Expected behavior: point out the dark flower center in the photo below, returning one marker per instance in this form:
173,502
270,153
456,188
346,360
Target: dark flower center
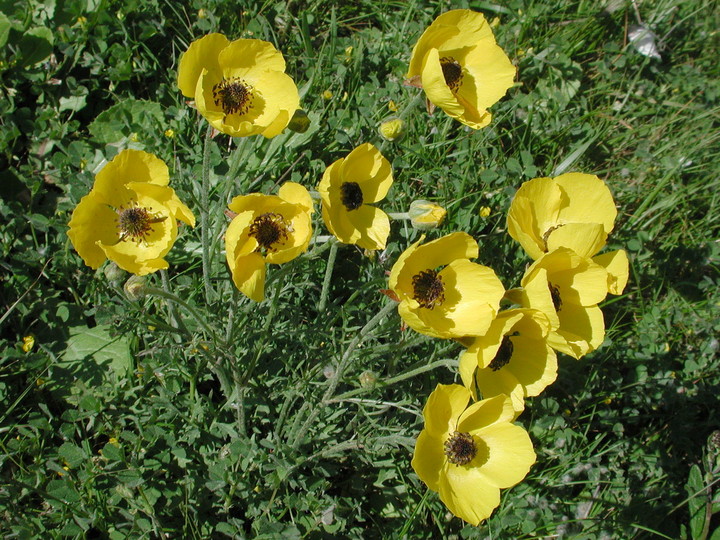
452,71
135,223
351,195
460,448
428,288
502,358
233,95
269,229
555,294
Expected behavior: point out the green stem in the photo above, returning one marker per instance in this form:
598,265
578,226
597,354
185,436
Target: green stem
173,315
448,363
174,298
204,215
342,365
328,276
399,215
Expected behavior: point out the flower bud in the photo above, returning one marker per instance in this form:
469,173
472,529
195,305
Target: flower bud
135,288
113,273
299,122
368,379
28,343
425,215
392,129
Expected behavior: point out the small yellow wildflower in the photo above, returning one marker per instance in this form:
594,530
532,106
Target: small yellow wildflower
485,211
202,14
426,215
169,133
495,22
134,137
28,343
82,21
392,106
327,94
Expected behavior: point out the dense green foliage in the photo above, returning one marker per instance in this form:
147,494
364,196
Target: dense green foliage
115,424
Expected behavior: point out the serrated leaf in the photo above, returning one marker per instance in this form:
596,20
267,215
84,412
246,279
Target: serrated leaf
5,26
35,46
125,118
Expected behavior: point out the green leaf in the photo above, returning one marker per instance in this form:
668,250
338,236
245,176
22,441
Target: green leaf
72,103
72,454
93,356
35,46
4,29
715,535
125,118
696,504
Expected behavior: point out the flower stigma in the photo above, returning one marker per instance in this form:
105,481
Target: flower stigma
452,71
460,448
555,294
428,289
351,195
233,95
136,223
269,229
502,358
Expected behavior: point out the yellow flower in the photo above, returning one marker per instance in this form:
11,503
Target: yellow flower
169,133
441,293
130,215
460,67
327,94
467,454
28,343
485,211
240,87
347,188
567,289
512,358
573,210
270,229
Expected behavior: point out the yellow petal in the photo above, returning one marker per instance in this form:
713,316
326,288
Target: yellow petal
510,454
443,409
487,412
617,266
472,297
533,212
92,222
581,330
467,495
428,459
249,276
588,199
129,166
167,197
202,54
488,75
296,194
533,364
432,255
500,383
366,166
373,226
585,239
435,87
246,54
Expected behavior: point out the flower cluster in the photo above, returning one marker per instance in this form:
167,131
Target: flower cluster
469,448
466,453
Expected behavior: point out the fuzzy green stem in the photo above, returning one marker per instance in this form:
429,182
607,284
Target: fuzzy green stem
174,298
204,215
175,318
342,365
328,276
448,363
399,215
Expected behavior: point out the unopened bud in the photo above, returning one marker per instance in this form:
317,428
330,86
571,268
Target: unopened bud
299,122
392,129
135,288
368,379
425,215
113,273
